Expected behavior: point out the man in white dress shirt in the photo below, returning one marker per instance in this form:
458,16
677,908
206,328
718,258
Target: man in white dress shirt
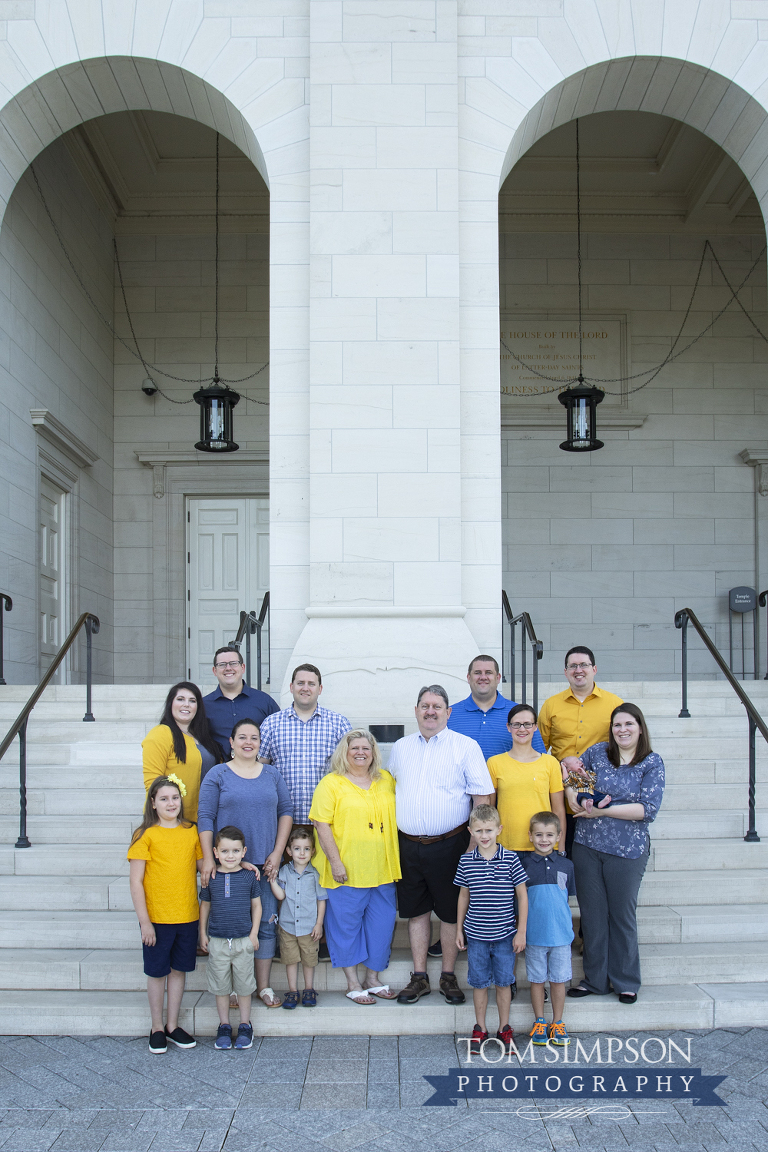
440,776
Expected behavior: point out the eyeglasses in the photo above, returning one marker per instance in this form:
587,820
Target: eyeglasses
229,664
578,668
522,727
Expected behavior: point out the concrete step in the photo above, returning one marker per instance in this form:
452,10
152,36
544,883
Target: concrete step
667,1007
68,777
118,929
66,893
67,829
80,802
670,825
65,859
748,885
123,969
682,855
38,891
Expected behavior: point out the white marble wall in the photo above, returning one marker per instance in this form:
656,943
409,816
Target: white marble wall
56,354
604,548
407,117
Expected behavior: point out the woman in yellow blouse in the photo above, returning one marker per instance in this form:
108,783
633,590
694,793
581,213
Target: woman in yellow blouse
353,810
181,744
526,781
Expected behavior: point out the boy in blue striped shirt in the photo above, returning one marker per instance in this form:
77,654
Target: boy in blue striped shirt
489,878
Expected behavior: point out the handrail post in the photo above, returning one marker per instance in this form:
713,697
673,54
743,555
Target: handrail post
524,661
762,599
512,668
535,652
89,717
752,836
6,604
248,651
681,620
23,840
257,629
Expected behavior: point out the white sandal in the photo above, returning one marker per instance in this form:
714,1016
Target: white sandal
268,994
381,991
358,995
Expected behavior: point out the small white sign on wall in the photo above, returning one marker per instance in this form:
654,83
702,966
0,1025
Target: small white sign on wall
549,345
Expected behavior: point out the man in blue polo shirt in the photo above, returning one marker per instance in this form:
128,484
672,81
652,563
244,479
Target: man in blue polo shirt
233,700
483,715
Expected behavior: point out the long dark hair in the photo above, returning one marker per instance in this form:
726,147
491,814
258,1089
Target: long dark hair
199,728
643,744
150,817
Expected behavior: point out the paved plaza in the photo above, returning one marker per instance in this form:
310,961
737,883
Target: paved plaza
337,1094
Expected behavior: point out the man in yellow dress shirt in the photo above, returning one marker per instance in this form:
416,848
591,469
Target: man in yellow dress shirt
574,720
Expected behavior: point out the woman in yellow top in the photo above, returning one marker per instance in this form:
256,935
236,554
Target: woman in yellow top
182,744
353,810
526,781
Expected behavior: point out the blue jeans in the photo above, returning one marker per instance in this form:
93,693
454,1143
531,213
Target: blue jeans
491,962
268,925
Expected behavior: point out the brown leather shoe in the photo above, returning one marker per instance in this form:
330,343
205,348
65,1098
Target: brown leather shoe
418,986
449,987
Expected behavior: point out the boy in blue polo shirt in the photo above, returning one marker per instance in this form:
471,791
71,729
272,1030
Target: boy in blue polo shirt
490,877
550,926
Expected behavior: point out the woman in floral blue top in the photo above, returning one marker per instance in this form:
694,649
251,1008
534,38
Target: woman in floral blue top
610,852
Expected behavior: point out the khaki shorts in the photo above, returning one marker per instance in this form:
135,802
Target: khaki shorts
297,948
230,966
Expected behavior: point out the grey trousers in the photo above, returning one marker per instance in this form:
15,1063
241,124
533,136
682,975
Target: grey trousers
607,888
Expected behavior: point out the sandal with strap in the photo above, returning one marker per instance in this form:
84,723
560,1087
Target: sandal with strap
268,994
291,1000
308,998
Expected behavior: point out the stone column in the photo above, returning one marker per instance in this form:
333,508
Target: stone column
385,613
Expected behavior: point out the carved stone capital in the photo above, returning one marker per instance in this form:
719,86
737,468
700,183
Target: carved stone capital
757,458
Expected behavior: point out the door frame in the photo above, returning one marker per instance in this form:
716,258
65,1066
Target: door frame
187,519
212,479
52,469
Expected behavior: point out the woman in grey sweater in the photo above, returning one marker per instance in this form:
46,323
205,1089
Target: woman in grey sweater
255,798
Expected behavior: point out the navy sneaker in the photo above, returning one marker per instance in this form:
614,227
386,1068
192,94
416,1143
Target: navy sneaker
224,1037
244,1036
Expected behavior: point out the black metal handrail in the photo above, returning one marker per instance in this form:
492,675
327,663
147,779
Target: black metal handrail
756,722
250,623
537,651
19,726
762,601
6,604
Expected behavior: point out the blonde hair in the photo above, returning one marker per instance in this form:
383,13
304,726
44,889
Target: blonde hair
484,813
339,763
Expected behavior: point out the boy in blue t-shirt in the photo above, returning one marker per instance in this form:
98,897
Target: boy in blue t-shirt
550,926
230,914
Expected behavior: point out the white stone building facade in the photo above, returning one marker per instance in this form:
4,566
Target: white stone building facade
394,189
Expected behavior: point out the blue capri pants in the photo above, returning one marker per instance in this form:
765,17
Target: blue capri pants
359,925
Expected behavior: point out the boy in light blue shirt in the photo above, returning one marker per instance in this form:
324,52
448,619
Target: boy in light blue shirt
550,925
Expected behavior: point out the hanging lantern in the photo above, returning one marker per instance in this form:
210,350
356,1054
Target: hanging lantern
581,404
216,421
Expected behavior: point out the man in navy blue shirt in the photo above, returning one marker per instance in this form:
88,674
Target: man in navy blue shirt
483,714
233,700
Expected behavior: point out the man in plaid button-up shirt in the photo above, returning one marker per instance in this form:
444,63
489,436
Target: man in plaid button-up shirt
300,740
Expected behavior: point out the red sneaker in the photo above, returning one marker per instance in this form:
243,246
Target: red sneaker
478,1039
507,1037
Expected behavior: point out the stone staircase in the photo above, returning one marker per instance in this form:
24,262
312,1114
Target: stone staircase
70,955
